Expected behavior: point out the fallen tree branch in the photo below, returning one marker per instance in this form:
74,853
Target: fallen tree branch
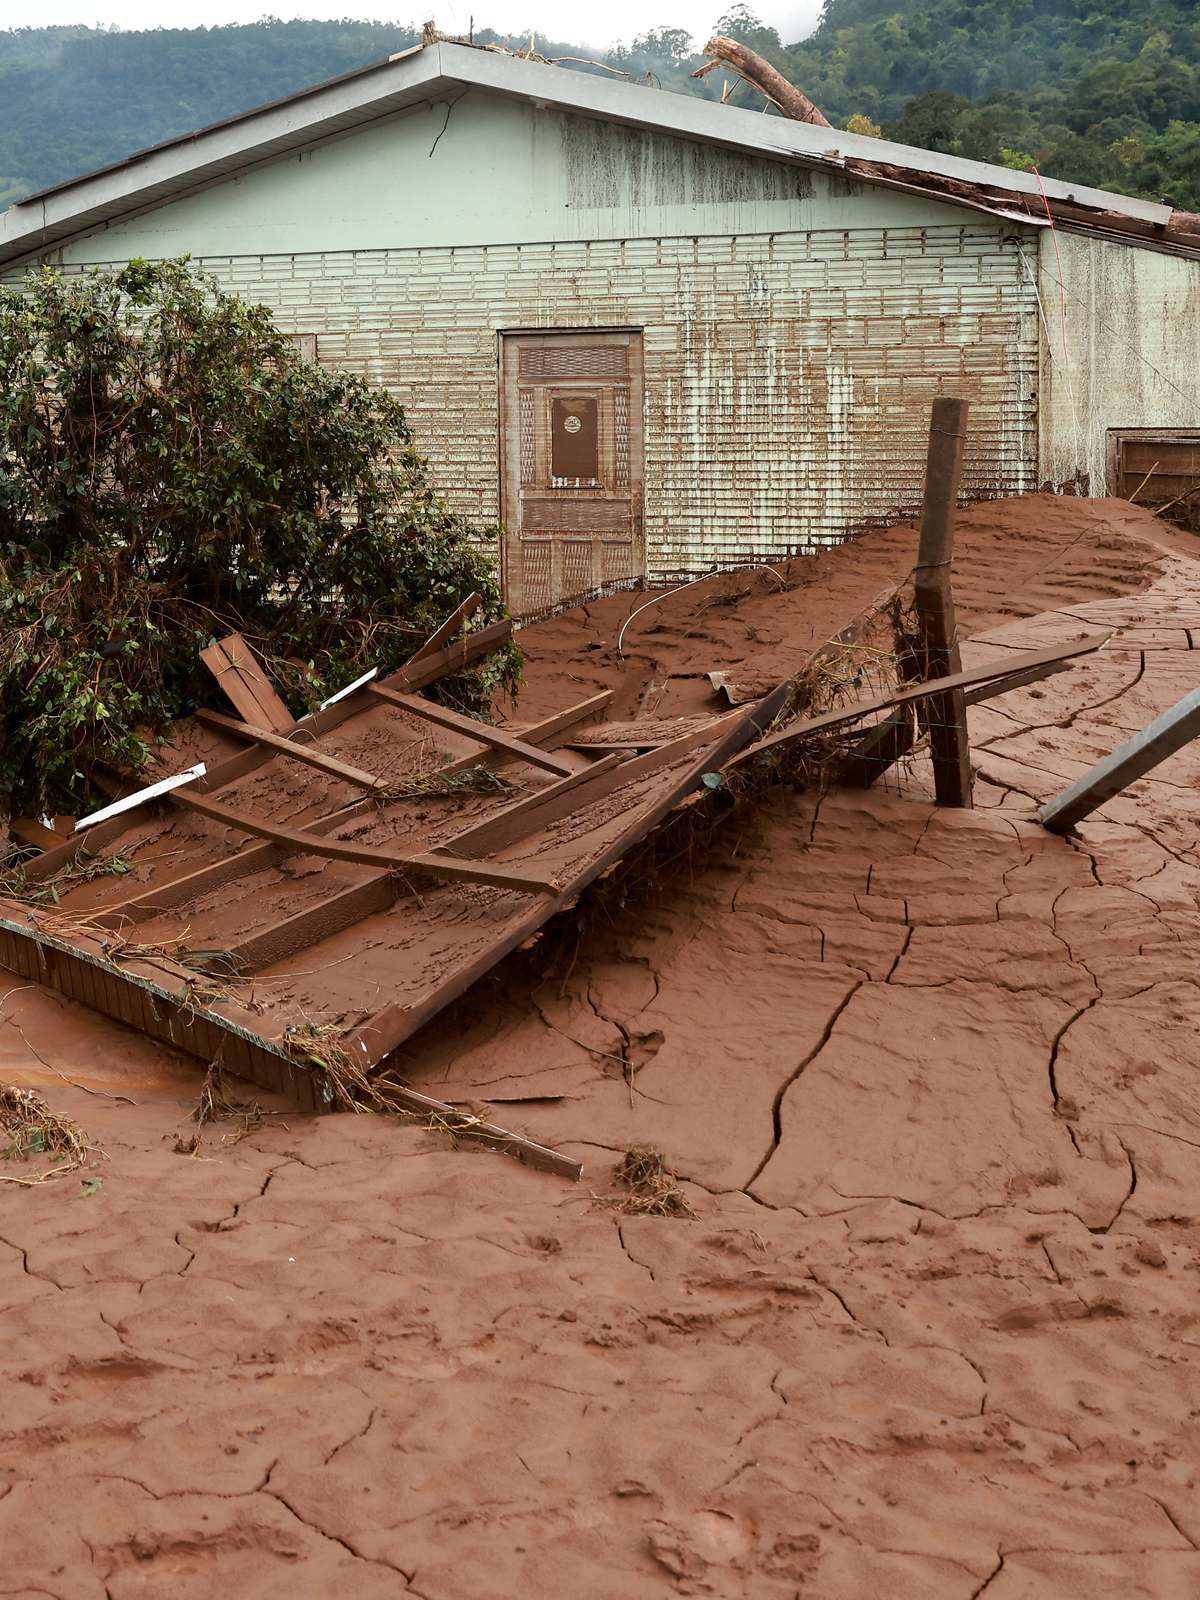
762,76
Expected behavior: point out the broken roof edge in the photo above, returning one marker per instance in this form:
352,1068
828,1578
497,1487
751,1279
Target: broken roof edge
176,167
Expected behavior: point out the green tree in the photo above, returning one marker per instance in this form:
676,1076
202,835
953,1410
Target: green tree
172,469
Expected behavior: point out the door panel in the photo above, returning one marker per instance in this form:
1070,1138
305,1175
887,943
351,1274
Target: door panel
571,459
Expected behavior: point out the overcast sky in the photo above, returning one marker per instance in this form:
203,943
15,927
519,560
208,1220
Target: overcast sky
604,25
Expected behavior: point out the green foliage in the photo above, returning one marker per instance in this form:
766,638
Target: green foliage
171,470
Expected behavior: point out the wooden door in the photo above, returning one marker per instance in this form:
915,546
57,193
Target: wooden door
571,460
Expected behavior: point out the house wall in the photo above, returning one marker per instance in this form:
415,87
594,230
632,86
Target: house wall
796,328
1120,348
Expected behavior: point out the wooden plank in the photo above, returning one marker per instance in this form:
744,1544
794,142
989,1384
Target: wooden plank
943,715
538,811
1130,761
560,721
892,739
526,816
450,658
389,1028
294,750
469,727
845,716
1017,680
313,844
333,914
28,830
488,1134
453,624
236,668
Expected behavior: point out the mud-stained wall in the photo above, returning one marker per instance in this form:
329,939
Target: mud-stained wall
788,378
1120,348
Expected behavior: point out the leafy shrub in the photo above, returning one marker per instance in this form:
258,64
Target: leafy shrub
172,470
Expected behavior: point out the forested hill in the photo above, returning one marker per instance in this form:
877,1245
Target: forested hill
1105,92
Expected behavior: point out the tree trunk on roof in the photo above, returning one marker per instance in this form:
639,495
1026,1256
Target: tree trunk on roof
761,75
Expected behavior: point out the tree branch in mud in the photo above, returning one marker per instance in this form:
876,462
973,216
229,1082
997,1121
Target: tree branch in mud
761,75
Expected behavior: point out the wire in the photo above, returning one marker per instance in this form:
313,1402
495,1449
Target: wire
717,572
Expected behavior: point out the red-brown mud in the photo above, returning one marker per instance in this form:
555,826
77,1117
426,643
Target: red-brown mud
930,1082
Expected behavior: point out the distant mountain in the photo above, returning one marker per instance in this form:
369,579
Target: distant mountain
1106,92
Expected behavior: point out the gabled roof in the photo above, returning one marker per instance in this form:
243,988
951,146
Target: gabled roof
431,72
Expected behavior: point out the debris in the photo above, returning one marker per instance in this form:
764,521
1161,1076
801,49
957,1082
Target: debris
761,75
1132,760
653,1190
33,1129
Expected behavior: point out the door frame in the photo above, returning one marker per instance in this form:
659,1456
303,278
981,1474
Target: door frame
508,490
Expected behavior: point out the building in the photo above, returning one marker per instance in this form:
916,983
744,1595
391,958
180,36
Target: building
652,334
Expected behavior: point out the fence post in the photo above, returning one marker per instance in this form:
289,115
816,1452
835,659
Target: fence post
945,715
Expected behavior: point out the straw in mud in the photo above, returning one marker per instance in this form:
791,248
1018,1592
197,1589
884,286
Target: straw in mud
33,1129
651,1185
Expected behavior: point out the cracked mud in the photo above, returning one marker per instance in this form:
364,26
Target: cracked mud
930,1082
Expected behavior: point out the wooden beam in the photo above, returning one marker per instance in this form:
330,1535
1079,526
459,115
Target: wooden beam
892,739
443,634
538,811
171,892
28,830
528,815
313,844
389,1028
466,1126
470,728
560,721
303,929
243,681
450,658
1130,761
846,716
944,716
309,754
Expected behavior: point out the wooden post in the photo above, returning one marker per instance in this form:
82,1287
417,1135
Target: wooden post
945,714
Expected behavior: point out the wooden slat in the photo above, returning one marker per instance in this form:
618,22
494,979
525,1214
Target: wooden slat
469,727
389,1028
451,658
309,843
301,931
235,667
487,1134
559,721
442,635
28,830
538,811
309,754
172,892
845,716
1130,761
527,815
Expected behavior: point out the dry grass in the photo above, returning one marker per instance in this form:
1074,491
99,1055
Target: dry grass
652,1190
341,1082
471,780
85,868
217,1103
33,1129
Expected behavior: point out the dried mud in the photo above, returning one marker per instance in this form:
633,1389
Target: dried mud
929,1082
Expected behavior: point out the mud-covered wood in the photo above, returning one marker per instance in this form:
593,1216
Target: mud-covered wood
294,749
944,715
236,668
472,728
1129,762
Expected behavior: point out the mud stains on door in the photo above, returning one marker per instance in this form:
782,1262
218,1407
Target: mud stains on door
571,454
